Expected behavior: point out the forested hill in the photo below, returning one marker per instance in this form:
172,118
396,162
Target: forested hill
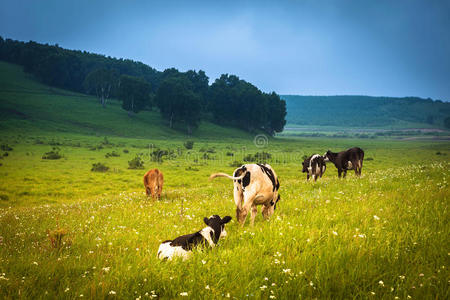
365,111
183,99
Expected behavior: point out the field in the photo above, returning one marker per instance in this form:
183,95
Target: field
384,235
69,232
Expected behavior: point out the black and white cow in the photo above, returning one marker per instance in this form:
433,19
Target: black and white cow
254,184
350,159
182,246
314,166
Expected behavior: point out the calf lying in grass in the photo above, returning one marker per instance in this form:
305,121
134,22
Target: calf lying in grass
182,245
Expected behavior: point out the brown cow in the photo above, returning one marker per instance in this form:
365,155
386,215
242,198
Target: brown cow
153,182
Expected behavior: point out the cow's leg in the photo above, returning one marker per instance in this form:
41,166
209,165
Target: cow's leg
339,173
147,191
238,200
249,197
360,166
345,173
307,176
356,167
253,213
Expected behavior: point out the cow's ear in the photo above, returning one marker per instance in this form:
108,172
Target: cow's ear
226,219
205,219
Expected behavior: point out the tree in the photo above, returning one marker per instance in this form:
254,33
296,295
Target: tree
178,103
277,113
134,93
101,82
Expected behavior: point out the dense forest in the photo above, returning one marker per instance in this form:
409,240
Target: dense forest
365,111
182,98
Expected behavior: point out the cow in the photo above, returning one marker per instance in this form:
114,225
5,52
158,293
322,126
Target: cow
182,246
314,166
153,183
350,159
254,184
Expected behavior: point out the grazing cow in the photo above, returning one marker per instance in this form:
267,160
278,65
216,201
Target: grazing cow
183,245
153,182
314,166
351,159
254,184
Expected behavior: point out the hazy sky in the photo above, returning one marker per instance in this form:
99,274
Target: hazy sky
307,47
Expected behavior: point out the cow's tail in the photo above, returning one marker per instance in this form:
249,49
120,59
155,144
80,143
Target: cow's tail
225,175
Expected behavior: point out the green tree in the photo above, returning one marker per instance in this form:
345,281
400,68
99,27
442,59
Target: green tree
134,93
101,82
178,103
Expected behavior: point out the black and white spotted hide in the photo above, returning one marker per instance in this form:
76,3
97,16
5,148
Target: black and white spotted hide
314,166
182,246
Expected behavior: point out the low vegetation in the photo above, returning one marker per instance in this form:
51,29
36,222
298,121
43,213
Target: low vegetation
384,235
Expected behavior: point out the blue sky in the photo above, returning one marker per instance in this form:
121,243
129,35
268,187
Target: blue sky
306,47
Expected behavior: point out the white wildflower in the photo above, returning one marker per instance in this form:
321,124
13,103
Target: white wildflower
263,287
376,217
381,282
112,292
184,294
335,233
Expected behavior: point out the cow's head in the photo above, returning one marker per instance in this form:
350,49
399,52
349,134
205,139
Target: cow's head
327,155
305,166
218,225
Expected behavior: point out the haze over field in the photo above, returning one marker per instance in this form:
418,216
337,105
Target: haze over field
378,48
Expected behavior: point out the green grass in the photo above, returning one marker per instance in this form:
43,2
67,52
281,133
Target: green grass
27,106
383,235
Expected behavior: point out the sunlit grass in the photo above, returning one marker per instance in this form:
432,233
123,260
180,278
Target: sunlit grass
384,235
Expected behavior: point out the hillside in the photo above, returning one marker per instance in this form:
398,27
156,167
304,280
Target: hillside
365,111
27,105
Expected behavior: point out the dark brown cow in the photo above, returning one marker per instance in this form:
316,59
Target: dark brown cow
153,182
350,159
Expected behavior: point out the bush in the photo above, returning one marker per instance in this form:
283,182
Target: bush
230,154
136,163
158,154
99,167
5,154
235,164
190,168
258,157
189,145
54,154
56,238
112,154
125,151
6,147
369,158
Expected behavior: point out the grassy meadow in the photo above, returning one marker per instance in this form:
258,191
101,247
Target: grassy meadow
69,232
384,235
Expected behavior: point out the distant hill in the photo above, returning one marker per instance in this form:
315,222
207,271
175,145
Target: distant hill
365,111
27,105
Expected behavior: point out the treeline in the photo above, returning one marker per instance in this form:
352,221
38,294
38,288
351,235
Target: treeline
366,111
182,98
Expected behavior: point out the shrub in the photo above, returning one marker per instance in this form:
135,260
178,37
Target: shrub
230,154
262,156
369,158
56,238
112,154
189,145
54,154
158,154
190,168
6,147
136,163
4,197
235,164
99,167
125,151
5,154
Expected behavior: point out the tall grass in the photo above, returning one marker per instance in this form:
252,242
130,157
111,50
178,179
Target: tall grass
384,235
